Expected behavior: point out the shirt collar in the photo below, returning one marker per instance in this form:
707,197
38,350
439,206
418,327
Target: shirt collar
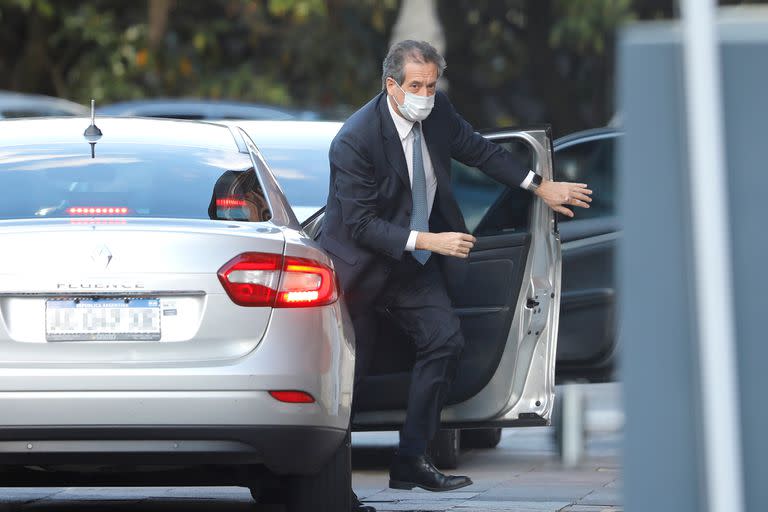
402,125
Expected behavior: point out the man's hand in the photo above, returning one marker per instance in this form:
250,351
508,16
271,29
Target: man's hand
448,244
557,194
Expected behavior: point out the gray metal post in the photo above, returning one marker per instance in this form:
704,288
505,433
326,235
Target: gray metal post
712,259
683,328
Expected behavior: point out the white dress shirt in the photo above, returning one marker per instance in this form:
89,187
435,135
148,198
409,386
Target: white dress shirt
403,127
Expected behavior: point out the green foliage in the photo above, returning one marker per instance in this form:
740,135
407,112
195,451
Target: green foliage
587,25
509,61
289,52
515,62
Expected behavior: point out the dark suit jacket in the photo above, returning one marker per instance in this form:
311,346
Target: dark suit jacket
369,205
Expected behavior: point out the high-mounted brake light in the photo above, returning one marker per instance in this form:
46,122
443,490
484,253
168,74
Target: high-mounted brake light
98,210
230,202
257,279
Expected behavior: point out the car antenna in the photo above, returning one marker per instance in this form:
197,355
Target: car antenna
92,133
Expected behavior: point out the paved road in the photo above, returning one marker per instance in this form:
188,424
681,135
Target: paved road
523,474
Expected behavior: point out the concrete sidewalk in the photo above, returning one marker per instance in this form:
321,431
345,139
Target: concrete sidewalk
522,474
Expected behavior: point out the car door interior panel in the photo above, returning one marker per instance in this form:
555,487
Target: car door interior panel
485,303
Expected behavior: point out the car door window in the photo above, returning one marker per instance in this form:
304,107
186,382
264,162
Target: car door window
488,206
590,162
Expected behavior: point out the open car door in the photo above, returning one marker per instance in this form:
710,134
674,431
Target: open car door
507,299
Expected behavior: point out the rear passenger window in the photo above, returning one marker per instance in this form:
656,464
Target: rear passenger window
590,162
489,207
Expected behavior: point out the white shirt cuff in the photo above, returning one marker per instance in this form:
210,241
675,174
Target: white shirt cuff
410,245
527,181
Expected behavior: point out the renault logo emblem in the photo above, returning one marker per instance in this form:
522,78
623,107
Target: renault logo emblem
101,256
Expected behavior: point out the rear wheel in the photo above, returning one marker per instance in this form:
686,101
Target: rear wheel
482,438
445,448
328,491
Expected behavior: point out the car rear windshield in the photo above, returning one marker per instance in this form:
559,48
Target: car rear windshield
129,181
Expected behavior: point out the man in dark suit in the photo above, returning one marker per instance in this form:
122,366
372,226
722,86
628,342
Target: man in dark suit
391,215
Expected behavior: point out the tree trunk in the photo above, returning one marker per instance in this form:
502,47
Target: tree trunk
559,102
158,21
31,73
418,20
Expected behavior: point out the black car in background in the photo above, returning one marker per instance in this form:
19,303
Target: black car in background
589,333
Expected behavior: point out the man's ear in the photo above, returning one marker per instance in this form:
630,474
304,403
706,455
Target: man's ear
390,84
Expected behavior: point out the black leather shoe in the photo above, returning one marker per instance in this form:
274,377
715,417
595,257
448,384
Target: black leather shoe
409,472
357,506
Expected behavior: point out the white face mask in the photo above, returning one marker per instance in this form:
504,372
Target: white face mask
415,108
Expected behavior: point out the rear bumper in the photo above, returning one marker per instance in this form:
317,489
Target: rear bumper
161,409
279,448
168,428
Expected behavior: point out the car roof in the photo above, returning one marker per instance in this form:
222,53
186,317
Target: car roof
190,108
69,130
15,101
289,134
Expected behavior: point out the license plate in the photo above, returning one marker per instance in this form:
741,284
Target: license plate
102,319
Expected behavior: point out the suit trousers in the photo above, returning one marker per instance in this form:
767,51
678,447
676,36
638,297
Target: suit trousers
415,297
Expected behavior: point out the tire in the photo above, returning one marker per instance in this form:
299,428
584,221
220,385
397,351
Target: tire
328,491
480,438
445,448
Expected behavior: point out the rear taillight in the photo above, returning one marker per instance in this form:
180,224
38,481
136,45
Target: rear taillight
251,279
306,283
257,279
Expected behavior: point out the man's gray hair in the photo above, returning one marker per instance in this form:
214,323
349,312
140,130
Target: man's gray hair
409,51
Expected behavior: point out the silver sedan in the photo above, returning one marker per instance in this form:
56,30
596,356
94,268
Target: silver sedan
160,308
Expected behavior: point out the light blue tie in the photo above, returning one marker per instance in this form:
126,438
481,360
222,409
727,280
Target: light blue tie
420,216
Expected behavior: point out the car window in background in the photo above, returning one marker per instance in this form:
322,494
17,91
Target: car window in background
303,174
15,105
149,181
202,109
28,112
480,197
590,162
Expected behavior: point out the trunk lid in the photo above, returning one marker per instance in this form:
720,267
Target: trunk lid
56,276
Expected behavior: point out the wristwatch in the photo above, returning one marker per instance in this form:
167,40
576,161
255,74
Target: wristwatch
535,182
